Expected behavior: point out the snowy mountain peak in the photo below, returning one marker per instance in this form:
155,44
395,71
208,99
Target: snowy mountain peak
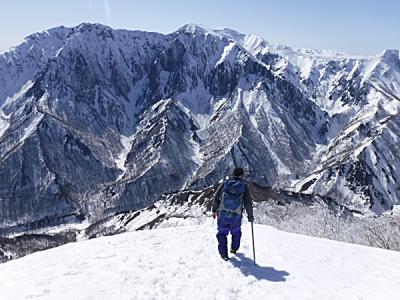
195,29
390,56
88,27
252,43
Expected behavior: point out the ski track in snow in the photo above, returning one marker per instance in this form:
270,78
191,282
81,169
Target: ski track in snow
182,263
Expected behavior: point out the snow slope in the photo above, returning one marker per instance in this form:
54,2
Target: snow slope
182,263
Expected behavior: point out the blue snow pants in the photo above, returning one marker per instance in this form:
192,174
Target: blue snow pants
228,223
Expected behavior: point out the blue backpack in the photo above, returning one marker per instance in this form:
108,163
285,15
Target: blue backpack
232,199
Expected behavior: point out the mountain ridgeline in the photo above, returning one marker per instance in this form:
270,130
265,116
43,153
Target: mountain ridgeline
96,121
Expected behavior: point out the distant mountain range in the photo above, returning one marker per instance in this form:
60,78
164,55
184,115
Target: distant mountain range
96,121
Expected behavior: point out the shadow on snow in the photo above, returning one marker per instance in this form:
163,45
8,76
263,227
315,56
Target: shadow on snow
247,267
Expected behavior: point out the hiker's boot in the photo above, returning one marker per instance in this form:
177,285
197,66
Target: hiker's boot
225,257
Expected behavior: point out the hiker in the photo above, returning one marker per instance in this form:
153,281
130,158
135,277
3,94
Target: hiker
229,199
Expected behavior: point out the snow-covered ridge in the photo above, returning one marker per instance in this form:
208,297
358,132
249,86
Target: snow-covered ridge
182,262
256,44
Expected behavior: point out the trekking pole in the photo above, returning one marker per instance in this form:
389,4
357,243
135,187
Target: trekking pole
252,236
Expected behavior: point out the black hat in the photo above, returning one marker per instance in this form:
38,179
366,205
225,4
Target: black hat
238,171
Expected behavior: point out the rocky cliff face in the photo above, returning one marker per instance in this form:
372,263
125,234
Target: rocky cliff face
94,120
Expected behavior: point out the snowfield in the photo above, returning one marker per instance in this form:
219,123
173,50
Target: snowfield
182,263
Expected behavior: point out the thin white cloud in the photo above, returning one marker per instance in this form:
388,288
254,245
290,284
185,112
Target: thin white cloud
107,10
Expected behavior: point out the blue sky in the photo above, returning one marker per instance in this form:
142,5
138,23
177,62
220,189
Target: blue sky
353,26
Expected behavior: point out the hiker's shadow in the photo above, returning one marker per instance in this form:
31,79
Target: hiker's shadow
247,267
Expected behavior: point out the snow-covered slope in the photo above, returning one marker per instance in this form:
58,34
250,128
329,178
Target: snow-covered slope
182,263
95,121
